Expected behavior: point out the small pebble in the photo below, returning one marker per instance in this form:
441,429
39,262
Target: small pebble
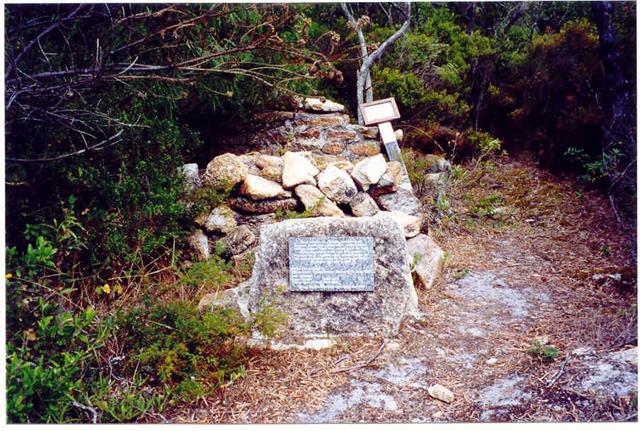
393,346
441,393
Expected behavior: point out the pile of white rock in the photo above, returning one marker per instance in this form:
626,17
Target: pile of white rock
264,184
310,163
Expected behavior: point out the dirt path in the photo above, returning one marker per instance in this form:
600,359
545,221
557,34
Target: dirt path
549,264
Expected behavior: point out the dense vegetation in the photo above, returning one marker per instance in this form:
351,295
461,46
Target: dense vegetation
105,102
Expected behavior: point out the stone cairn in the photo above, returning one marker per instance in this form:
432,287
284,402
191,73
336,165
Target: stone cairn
313,161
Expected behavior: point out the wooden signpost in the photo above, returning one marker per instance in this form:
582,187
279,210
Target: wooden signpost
381,113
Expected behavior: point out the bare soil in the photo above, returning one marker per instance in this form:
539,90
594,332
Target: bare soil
544,260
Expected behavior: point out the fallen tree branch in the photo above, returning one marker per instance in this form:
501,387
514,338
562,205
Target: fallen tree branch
94,413
557,376
99,146
365,363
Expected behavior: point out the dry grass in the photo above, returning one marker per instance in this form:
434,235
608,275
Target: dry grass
552,222
279,384
563,234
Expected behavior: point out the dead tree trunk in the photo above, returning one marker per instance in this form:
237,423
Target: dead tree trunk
364,89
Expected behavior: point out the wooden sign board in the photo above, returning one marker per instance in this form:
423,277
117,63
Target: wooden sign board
379,111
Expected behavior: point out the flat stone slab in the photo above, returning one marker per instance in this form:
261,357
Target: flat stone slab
309,314
402,201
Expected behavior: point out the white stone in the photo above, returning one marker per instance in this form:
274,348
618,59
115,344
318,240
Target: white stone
377,313
314,343
401,200
220,220
541,340
225,171
369,171
191,176
394,170
428,256
399,135
322,105
235,298
249,160
337,185
392,346
297,169
271,167
263,160
345,165
441,393
410,224
257,188
238,241
630,356
363,205
200,243
583,351
432,179
492,361
317,202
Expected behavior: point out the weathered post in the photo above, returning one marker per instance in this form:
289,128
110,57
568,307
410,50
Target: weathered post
381,113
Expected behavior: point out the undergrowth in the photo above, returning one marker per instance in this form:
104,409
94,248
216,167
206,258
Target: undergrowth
119,350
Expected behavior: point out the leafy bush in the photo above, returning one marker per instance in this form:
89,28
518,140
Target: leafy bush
548,95
483,144
486,206
213,272
124,402
269,319
429,69
174,344
55,365
595,170
50,362
546,352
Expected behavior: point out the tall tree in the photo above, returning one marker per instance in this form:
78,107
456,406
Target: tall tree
617,104
364,89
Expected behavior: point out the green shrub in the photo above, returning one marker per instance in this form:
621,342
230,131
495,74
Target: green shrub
595,170
124,401
269,319
483,144
486,205
50,362
173,343
542,350
213,272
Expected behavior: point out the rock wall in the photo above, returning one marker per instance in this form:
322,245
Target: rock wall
307,164
330,134
318,126
314,162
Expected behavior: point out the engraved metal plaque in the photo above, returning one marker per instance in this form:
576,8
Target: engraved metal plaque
331,264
